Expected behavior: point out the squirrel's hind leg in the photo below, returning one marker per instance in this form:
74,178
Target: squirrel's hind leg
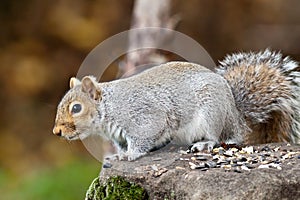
200,146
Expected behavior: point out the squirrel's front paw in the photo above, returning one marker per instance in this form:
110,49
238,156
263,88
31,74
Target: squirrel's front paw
199,146
114,157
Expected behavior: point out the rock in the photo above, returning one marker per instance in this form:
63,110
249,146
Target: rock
172,177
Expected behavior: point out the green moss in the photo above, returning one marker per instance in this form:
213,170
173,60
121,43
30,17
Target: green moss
171,195
115,188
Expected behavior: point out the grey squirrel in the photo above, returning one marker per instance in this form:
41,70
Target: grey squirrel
253,98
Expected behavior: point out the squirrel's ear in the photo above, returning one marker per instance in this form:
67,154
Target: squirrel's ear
73,82
89,85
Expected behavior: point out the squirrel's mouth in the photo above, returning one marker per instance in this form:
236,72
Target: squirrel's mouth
76,136
73,137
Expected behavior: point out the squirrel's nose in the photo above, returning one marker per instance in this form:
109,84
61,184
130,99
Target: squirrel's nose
57,131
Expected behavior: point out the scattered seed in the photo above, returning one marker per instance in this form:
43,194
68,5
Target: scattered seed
204,169
202,154
240,163
160,172
243,167
248,150
211,164
154,167
237,169
255,161
192,165
242,159
201,158
262,158
226,167
277,161
220,162
156,159
183,152
216,157
265,148
263,166
228,153
201,166
276,149
179,168
235,165
186,159
249,166
221,151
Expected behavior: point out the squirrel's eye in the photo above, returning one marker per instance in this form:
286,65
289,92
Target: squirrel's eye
76,108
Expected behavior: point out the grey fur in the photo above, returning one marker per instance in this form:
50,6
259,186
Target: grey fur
246,103
175,101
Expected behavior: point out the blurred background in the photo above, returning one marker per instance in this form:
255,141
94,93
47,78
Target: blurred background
42,44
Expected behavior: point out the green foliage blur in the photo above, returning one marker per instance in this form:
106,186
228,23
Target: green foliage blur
42,44
67,182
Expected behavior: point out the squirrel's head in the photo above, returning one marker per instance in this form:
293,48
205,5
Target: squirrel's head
77,111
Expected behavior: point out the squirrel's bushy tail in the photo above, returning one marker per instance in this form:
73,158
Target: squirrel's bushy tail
266,88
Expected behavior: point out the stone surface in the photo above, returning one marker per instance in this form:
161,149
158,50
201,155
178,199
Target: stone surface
172,173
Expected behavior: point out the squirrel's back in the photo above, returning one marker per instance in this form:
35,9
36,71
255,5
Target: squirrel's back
185,99
266,87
